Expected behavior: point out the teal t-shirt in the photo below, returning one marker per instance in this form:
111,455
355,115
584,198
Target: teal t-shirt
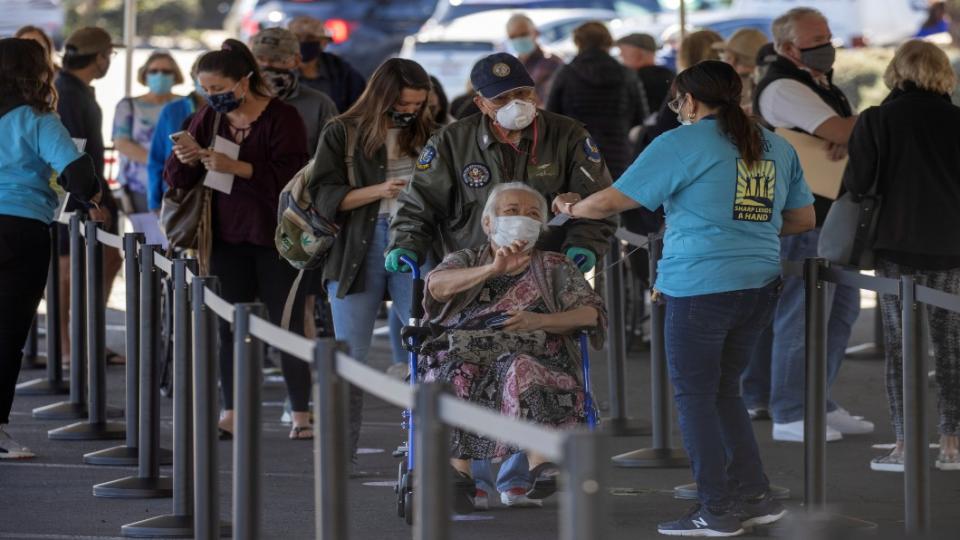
32,147
723,218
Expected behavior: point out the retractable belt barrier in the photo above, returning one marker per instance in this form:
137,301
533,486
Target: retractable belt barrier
582,454
194,485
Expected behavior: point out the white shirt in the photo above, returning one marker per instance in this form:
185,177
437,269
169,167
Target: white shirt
786,103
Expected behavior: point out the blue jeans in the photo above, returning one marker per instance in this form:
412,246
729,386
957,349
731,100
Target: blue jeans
709,341
787,349
355,315
514,473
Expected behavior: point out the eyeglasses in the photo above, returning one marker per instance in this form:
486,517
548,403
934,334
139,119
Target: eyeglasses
676,103
160,71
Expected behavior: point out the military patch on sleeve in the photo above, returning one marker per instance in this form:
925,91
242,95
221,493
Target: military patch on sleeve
592,151
476,175
426,158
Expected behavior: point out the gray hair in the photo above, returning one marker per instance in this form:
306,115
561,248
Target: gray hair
784,28
520,18
490,208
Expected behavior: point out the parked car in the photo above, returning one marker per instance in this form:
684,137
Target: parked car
365,32
45,14
462,31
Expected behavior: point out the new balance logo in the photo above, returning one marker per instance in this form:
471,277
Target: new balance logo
700,522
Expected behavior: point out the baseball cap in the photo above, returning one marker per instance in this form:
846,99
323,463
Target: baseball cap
307,27
745,43
274,43
88,40
499,73
640,41
766,55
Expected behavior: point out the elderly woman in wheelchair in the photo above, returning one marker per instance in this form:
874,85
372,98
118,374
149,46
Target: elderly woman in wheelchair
508,316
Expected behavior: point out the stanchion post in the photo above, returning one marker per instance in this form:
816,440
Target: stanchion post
53,383
96,427
206,461
815,384
432,486
76,406
330,449
178,523
582,504
147,483
248,360
662,454
916,479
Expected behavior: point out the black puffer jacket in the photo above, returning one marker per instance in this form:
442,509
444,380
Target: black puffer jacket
600,92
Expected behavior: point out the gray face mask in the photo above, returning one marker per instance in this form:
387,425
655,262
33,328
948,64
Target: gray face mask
819,58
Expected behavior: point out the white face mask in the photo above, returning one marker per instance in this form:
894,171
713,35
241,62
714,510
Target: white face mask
680,118
509,229
516,115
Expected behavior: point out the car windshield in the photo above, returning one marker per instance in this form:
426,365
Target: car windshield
448,10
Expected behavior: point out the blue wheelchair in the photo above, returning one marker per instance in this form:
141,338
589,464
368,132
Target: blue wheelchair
413,335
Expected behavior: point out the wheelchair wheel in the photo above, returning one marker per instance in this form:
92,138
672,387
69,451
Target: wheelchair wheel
408,507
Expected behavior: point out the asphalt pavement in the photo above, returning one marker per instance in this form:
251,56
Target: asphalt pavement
50,497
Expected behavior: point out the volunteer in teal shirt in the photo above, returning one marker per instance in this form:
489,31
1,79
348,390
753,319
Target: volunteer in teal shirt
729,190
33,146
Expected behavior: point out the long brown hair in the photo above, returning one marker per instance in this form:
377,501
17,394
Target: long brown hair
26,74
369,113
234,61
717,85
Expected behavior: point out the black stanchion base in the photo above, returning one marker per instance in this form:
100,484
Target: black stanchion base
168,526
85,431
123,456
42,387
64,410
688,492
865,351
625,427
34,362
134,487
652,458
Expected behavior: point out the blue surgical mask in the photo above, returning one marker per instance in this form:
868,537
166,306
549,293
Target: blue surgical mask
160,83
523,45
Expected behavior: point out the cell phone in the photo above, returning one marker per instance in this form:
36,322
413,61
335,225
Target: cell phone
497,321
184,138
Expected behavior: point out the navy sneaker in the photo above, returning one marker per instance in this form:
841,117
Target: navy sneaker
700,521
762,511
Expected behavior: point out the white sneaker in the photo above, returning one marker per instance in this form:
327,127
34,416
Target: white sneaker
517,498
793,432
842,421
11,449
481,501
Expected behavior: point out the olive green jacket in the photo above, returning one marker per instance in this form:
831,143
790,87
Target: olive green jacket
441,209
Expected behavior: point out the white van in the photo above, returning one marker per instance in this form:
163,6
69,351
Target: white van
854,22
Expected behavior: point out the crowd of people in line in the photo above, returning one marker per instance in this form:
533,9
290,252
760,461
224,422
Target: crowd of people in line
466,187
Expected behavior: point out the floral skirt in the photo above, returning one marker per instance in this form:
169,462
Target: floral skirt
517,385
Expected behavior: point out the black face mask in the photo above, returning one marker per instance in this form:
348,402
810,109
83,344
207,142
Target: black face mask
819,58
400,119
310,50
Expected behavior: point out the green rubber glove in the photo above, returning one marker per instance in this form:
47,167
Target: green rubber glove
393,264
588,263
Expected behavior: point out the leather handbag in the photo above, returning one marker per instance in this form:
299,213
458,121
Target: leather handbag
850,229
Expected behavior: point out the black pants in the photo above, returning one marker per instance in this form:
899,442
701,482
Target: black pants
249,273
24,262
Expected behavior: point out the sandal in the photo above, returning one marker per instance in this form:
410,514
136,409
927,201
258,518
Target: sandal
297,433
544,478
115,359
224,435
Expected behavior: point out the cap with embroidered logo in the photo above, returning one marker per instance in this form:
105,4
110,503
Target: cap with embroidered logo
498,73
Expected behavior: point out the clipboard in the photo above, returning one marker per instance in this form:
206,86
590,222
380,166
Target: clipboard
825,177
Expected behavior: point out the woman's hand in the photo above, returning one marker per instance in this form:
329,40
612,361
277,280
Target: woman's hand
188,155
218,162
510,259
563,203
101,214
523,321
390,189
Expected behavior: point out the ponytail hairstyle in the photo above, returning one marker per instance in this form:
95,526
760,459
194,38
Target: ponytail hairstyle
234,61
717,85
